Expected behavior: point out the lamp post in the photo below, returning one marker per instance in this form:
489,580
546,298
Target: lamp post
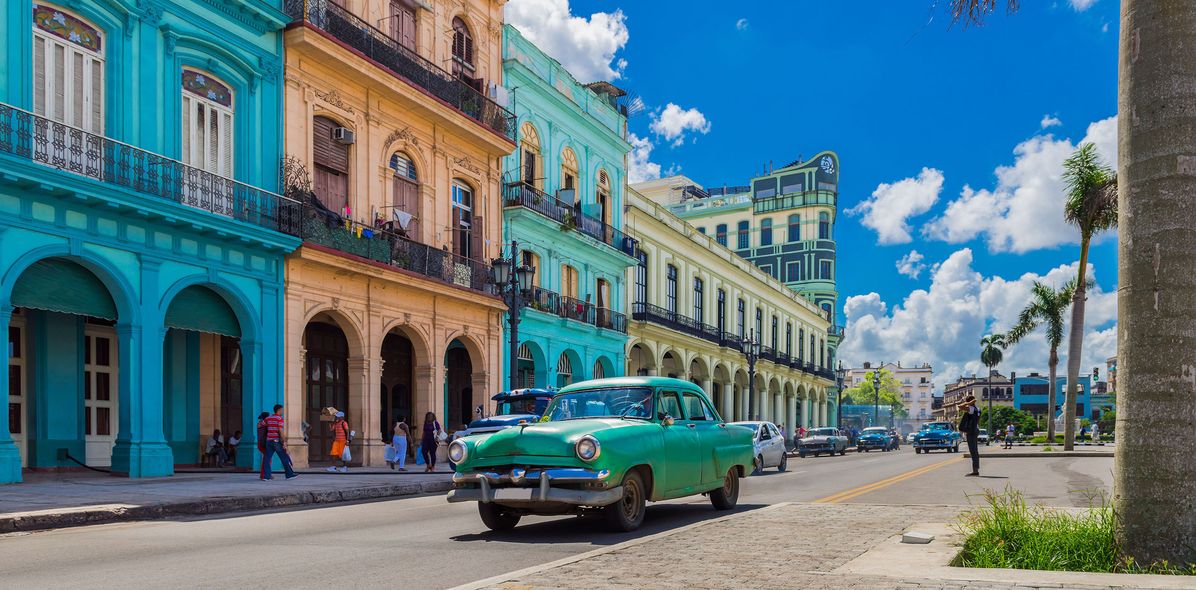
840,374
752,352
876,394
514,282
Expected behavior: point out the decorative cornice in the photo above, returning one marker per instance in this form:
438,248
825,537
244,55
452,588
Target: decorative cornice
467,164
151,12
271,67
403,134
255,19
333,98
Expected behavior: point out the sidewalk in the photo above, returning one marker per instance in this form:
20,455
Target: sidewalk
46,501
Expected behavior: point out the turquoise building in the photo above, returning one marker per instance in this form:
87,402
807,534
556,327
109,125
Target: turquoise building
141,235
563,204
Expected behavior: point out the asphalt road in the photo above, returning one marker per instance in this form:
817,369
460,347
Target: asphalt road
426,543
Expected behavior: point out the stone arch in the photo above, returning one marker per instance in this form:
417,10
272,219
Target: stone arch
641,358
354,332
247,319
672,364
124,295
605,365
421,343
698,369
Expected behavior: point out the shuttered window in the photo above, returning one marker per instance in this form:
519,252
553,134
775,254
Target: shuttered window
406,193
331,167
68,70
462,44
207,124
465,235
402,24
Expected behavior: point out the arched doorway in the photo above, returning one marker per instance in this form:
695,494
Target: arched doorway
670,366
458,386
327,381
532,372
398,382
640,361
565,369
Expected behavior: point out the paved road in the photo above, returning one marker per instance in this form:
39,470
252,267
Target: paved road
424,542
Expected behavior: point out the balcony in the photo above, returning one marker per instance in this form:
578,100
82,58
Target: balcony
835,331
794,200
31,137
518,194
575,309
658,315
358,34
322,227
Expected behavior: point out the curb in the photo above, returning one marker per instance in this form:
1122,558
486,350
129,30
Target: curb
210,505
535,569
1042,454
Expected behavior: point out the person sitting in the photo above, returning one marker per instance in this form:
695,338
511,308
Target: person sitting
214,448
230,447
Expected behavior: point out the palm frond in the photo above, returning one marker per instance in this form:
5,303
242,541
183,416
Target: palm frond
1091,191
973,12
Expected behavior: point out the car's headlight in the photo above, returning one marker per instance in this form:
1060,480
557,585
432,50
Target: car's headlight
457,451
588,448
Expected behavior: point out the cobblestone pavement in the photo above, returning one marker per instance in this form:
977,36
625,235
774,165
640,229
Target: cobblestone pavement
791,547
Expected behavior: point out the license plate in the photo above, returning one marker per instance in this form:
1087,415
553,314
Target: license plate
513,494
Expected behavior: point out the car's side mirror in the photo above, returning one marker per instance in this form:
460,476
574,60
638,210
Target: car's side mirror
668,420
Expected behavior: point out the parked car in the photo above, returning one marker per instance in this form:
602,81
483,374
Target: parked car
937,435
820,441
983,437
607,446
909,438
769,445
874,438
513,407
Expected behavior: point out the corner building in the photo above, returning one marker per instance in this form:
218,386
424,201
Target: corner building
694,306
563,199
142,239
394,142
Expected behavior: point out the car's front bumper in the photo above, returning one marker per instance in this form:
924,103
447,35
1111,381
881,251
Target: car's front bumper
818,448
934,444
533,486
871,444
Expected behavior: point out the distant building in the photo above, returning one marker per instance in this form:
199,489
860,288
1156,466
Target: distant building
998,387
917,383
1111,373
1030,395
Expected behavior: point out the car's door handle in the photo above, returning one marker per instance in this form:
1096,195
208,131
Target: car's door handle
691,425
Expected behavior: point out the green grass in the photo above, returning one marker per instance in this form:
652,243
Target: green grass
1005,532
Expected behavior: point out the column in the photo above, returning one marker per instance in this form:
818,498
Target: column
10,457
791,414
805,412
253,397
359,383
707,385
141,449
728,409
296,401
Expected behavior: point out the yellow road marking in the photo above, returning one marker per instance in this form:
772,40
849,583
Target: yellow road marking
864,489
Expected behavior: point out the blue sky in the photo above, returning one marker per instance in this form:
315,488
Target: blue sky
917,111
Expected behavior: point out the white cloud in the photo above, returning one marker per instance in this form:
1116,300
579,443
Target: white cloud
1024,211
639,164
911,264
1081,5
586,47
943,324
891,205
674,122
741,24
1104,28
1049,121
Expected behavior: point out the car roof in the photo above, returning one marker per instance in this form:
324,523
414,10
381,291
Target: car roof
527,392
663,382
755,423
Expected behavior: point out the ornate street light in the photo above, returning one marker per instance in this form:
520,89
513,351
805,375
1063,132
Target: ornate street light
515,288
841,374
752,352
876,395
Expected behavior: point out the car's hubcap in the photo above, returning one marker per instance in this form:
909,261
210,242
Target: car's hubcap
729,484
631,500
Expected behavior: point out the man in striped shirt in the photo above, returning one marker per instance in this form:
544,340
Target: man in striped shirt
275,427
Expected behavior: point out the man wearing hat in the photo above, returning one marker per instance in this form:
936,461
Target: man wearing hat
340,438
969,425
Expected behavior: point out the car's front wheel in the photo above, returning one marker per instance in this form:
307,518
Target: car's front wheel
497,518
726,497
784,462
627,514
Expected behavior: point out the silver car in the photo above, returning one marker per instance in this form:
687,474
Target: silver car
770,445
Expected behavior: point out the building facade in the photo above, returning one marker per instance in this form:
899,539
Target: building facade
694,306
563,198
395,142
1030,394
997,388
142,239
917,386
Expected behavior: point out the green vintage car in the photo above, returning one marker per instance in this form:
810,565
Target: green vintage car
607,446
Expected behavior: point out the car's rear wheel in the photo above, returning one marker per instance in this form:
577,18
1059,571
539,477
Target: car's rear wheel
801,454
628,513
843,452
726,497
917,451
859,450
784,462
497,518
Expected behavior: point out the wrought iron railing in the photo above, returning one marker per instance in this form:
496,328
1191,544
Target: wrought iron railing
575,309
835,330
35,138
352,30
673,320
320,226
519,194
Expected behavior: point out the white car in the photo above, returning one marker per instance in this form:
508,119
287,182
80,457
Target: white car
770,445
909,438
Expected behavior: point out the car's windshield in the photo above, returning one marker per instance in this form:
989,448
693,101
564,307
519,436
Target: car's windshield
614,402
527,405
874,431
937,426
822,432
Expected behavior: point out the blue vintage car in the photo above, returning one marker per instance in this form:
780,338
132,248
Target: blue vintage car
937,435
876,437
519,405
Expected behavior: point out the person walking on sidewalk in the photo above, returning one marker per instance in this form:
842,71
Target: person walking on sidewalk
969,425
399,444
1009,430
275,426
261,442
340,440
430,440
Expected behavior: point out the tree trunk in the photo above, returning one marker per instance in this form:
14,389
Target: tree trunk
1154,485
1075,346
1053,365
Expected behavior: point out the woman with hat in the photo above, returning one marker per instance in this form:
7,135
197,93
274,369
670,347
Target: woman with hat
969,425
340,438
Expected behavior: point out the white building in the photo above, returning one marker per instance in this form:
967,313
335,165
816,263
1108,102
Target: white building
917,383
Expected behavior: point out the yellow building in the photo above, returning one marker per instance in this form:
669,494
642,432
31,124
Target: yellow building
695,306
394,135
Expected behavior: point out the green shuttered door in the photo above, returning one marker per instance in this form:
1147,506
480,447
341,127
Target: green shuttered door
202,310
57,284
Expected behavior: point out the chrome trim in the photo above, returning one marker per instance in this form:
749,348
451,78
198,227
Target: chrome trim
597,448
547,494
521,476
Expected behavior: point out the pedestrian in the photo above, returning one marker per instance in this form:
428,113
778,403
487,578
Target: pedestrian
430,440
969,425
231,446
1009,430
340,443
214,448
1083,433
276,445
399,445
261,442
1095,432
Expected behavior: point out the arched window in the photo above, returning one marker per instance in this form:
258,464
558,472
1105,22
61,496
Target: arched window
467,232
405,194
462,49
602,197
207,123
529,143
568,169
824,226
766,232
599,371
68,70
564,370
794,228
331,166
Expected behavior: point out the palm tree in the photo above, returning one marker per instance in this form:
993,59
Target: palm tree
1046,309
991,354
1091,206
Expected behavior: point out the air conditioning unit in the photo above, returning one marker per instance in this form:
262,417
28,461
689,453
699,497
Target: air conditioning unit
343,136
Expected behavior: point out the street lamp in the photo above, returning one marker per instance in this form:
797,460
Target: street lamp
752,352
840,374
876,395
514,282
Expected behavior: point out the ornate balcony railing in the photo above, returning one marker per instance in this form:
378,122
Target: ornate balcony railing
673,320
835,330
575,309
519,194
35,138
352,30
325,228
